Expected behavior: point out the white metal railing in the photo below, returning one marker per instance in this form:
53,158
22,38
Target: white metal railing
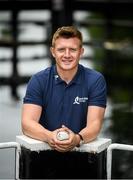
15,145
111,147
109,155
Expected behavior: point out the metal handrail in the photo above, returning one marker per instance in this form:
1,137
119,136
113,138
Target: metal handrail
17,154
109,155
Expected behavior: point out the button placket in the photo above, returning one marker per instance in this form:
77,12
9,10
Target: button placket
64,105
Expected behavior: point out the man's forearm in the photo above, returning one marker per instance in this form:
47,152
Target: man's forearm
35,130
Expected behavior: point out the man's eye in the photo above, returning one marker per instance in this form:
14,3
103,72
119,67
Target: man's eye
73,49
70,50
61,49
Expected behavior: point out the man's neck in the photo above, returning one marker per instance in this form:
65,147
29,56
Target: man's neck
65,75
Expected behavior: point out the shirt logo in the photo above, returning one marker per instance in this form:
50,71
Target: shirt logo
79,100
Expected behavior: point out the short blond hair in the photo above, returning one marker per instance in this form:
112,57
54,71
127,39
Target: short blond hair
67,32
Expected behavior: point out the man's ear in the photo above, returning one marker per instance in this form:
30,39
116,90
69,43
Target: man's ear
82,51
52,51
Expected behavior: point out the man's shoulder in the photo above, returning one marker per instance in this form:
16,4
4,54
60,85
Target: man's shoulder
41,77
44,72
90,73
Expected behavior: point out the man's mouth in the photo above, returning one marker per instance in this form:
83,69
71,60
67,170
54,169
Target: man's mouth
67,61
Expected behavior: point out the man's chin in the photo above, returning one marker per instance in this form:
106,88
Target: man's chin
67,68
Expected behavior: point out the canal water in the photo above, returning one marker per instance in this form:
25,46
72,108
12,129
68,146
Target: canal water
10,126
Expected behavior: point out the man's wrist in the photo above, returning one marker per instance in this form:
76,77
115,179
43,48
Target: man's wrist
81,140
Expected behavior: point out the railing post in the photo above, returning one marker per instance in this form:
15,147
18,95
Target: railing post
109,162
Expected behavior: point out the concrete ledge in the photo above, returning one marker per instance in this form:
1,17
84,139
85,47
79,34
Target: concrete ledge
96,146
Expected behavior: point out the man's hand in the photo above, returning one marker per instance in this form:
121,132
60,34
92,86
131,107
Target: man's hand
63,145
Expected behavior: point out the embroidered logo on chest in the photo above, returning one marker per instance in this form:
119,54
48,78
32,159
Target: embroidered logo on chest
79,100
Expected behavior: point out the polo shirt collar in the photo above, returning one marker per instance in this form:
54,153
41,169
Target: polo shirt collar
77,78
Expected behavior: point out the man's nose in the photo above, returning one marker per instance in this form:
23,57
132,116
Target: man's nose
67,53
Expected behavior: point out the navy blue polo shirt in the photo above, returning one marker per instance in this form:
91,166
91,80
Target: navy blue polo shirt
66,104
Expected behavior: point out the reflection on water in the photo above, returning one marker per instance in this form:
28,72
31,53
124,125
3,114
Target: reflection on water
120,90
114,58
120,81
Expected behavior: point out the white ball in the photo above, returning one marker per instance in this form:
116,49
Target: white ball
62,135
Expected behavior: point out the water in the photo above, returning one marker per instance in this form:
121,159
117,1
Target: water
10,126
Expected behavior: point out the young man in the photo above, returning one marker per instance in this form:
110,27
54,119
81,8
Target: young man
65,97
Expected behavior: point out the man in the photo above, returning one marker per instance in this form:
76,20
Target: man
65,97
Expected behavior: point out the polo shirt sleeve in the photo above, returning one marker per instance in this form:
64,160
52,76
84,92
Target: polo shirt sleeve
98,93
33,92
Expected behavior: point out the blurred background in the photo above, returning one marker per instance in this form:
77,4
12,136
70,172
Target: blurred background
26,28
